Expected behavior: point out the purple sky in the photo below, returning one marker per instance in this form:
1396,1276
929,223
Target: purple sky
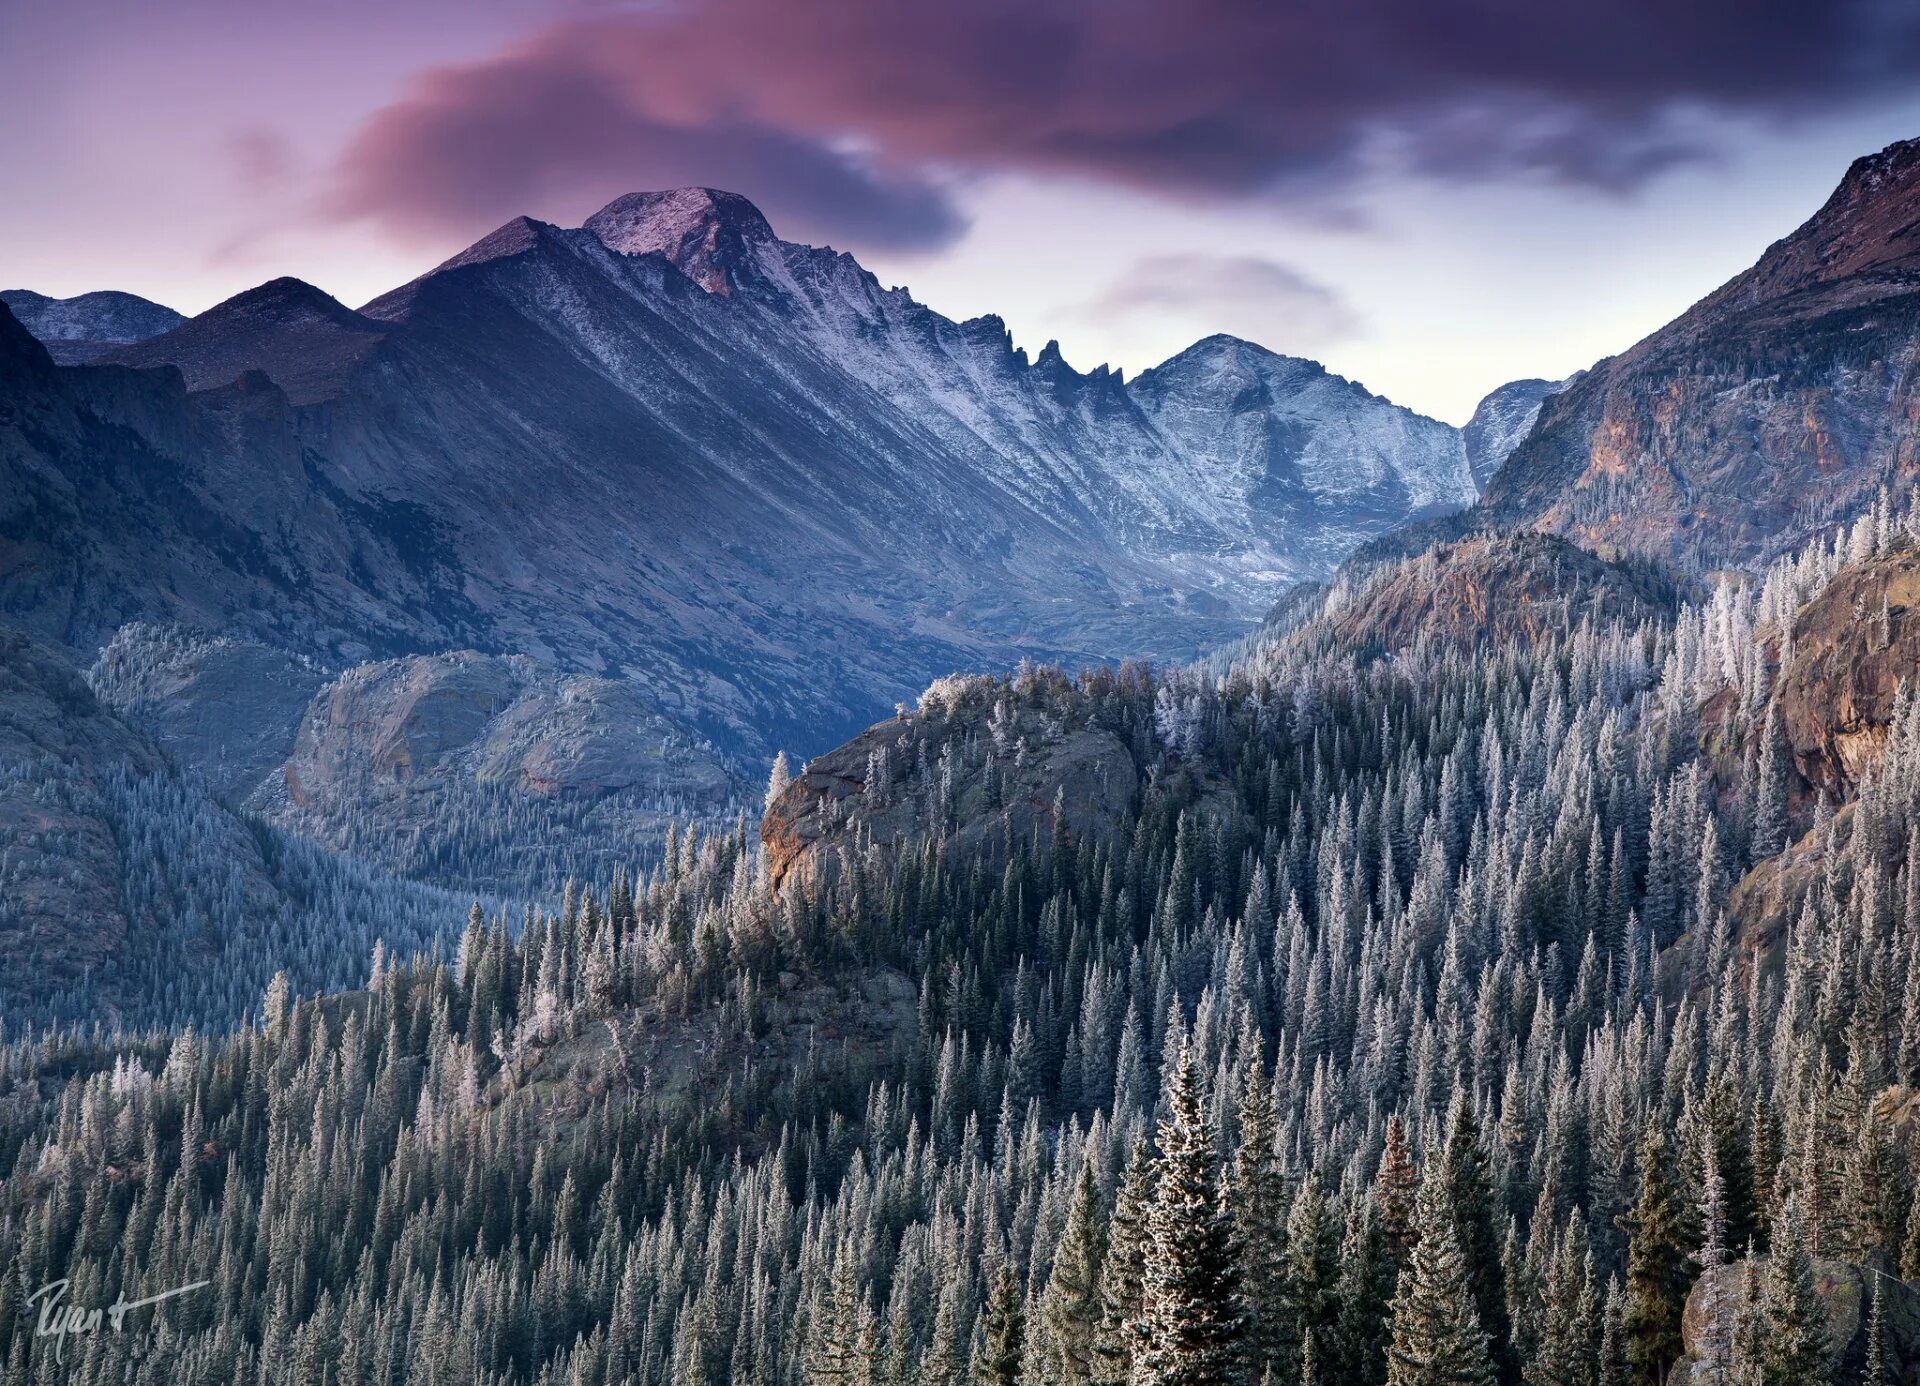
1432,197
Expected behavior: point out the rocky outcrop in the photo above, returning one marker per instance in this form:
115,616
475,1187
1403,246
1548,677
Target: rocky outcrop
851,1023
1489,590
229,708
1852,648
1782,401
1846,1293
982,764
423,762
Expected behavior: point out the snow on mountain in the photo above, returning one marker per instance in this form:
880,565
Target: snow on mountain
671,446
1502,420
82,327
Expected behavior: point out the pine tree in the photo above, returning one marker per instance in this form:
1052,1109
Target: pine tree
1368,1277
1070,1306
1873,1371
1004,1332
1258,1204
1659,1270
1470,1196
1191,1326
1571,1324
1797,1351
1396,1188
1122,1272
1437,1337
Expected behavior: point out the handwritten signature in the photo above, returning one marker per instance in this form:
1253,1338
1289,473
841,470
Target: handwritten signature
58,1319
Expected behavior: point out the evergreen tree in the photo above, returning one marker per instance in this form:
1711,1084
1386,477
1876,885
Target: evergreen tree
1191,1326
1659,1270
1070,1308
1437,1337
1470,1196
1123,1272
1004,1332
1797,1351
1258,1205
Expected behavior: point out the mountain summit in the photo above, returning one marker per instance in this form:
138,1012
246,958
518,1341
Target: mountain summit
1779,403
671,447
707,234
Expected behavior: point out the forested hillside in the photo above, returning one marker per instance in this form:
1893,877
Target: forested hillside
1521,1008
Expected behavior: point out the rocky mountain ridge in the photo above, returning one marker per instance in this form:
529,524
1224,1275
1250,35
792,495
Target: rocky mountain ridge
1779,404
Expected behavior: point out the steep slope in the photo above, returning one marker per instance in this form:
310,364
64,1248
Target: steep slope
306,342
671,446
128,894
88,325
478,772
1502,421
1487,590
1780,402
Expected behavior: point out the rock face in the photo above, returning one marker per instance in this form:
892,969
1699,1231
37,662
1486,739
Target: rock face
229,708
470,769
1491,590
62,913
82,328
1501,421
669,445
1845,1292
1780,402
1853,646
128,894
982,764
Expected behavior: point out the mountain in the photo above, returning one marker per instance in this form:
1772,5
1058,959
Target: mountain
1502,421
1784,400
133,895
89,325
672,448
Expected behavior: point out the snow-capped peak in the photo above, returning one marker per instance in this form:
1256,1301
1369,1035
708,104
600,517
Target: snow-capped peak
708,234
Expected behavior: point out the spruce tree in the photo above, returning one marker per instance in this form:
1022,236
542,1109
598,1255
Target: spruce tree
1003,1332
1437,1337
1797,1351
1659,1270
1259,1209
1191,1328
1470,1196
1070,1306
1122,1272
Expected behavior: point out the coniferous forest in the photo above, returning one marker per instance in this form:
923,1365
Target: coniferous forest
1505,1006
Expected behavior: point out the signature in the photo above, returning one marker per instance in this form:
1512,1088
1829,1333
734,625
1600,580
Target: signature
58,1318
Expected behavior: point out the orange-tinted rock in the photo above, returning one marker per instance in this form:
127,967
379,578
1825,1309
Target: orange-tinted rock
1852,647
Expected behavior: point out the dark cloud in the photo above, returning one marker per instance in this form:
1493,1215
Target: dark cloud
1248,296
847,118
541,132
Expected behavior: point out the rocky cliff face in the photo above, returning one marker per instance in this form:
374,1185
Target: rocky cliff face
1852,649
1502,421
1487,590
497,773
1783,400
128,893
982,765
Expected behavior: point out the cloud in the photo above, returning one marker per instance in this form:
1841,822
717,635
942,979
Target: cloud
1162,302
850,121
551,131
